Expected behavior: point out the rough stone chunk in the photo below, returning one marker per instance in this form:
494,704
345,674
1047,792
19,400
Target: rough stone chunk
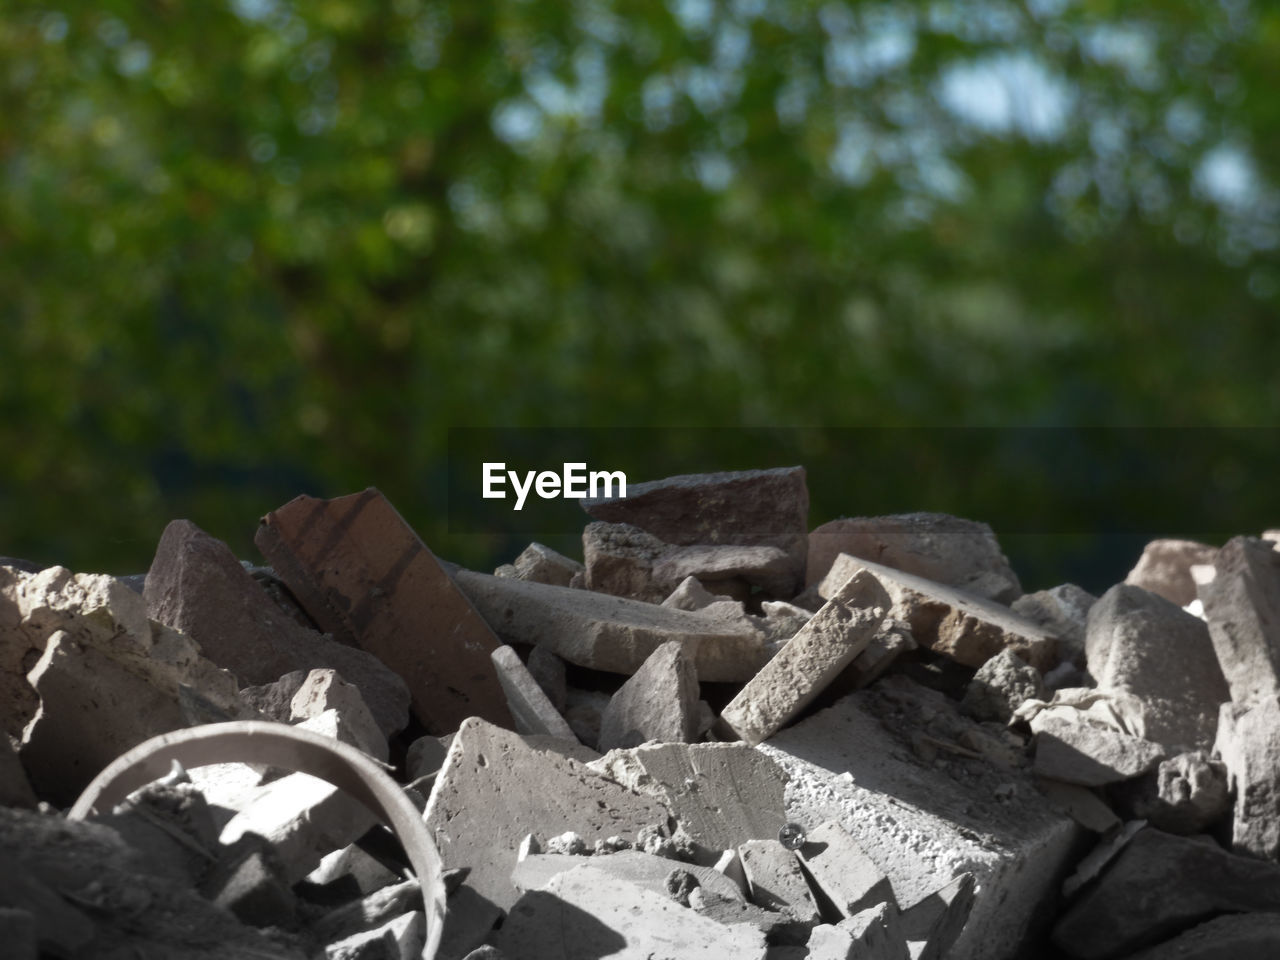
843,871
814,657
494,790
1080,804
549,671
690,595
1063,611
588,913
660,702
966,627
610,633
1249,745
1185,795
777,882
540,564
1000,686
275,700
398,939
530,708
1141,644
926,822
197,587
1242,605
721,794
877,934
749,507
249,880
938,919
1165,568
936,546
323,691
634,866
1090,755
1156,887
364,576
1240,936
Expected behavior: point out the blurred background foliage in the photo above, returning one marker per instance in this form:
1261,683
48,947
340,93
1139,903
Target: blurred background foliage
255,248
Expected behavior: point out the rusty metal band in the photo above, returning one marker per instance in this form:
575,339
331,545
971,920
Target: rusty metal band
280,745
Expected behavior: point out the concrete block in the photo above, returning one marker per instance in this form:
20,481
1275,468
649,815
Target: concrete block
729,865
364,576
304,817
877,934
398,939
1242,605
721,794
690,595
530,708
248,879
325,690
1090,755
659,702
966,627
643,869
368,913
1249,745
469,920
936,921
588,913
1157,886
367,873
1238,936
766,568
1063,611
1000,686
814,657
1185,795
1141,644
339,726
549,671
197,587
540,564
610,633
959,553
274,701
843,871
1165,568
495,789
777,882
1080,804
828,942
426,755
926,823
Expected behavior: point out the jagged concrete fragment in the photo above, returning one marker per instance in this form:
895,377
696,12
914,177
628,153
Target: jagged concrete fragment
1242,605
1158,886
1249,745
540,564
364,576
610,633
776,881
1063,611
1088,754
397,939
15,787
1237,936
304,818
749,507
494,790
584,712
588,913
966,627
1186,794
936,546
690,595
530,708
938,919
331,723
1143,645
1080,804
197,587
926,822
814,657
248,880
721,794
324,691
659,702
634,866
275,700
828,942
1000,686
877,934
91,711
1165,568
891,640
843,871
548,669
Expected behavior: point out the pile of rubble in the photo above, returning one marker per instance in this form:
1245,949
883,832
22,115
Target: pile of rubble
723,735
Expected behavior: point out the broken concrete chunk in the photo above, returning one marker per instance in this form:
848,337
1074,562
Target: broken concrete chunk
248,879
776,881
588,913
275,700
91,711
610,633
659,702
1237,936
338,726
936,546
843,871
721,794
1063,611
398,939
1242,605
494,790
549,671
620,559
323,691
642,869
530,708
1159,885
1000,686
1165,568
925,823
1249,745
1090,755
364,576
197,587
877,934
938,919
1141,644
966,627
540,564
1185,795
767,568
814,657
690,595
749,507
1080,804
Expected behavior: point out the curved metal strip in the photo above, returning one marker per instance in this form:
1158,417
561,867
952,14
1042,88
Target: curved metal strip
280,745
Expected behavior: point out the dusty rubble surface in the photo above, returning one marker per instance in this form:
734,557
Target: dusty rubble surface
722,734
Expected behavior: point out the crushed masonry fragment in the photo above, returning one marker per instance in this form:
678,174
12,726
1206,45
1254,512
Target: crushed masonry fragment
721,734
